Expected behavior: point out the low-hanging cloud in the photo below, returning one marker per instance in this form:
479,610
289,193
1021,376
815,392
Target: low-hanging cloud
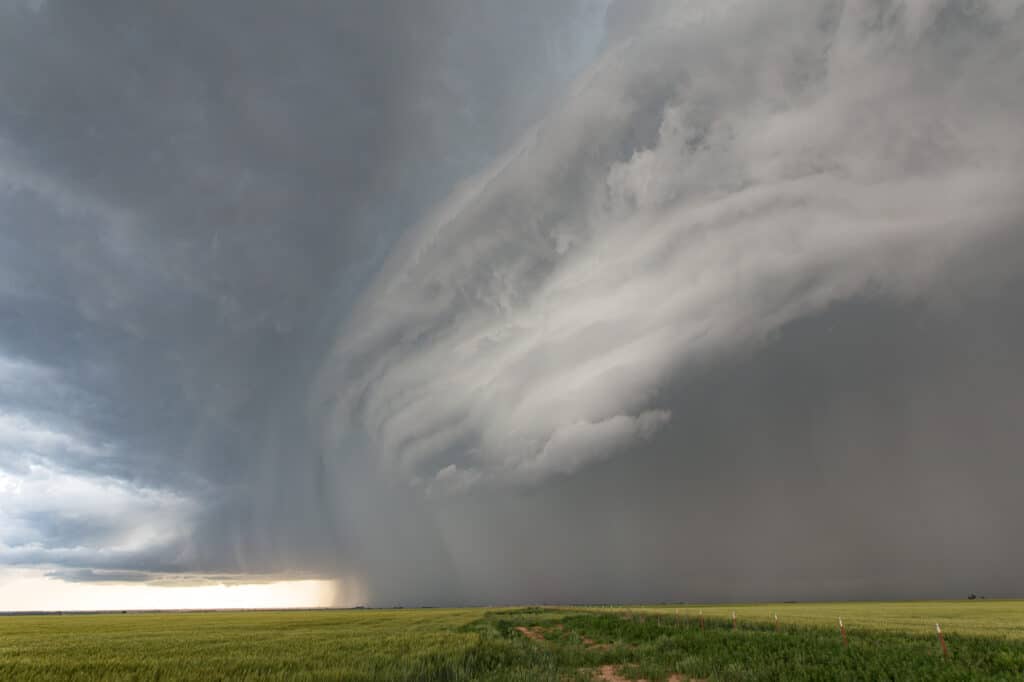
722,171
702,282
183,212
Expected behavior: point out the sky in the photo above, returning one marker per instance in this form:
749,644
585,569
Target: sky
396,303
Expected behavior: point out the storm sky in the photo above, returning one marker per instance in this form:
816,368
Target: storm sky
474,301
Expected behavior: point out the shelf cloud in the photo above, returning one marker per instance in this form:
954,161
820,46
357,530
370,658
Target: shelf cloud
498,303
681,201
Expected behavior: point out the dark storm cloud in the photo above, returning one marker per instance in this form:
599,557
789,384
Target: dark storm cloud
735,319
190,196
679,202
867,452
724,172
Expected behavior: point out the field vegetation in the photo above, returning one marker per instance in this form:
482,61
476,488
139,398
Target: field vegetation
885,641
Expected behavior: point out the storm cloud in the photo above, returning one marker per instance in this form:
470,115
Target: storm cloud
479,302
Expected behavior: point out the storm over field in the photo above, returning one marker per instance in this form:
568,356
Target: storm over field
484,302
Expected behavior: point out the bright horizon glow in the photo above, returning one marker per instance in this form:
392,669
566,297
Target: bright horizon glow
29,590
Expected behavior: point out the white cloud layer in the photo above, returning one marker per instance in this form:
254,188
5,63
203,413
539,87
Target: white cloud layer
51,512
734,166
49,516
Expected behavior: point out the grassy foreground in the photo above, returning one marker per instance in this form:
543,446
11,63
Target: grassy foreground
886,641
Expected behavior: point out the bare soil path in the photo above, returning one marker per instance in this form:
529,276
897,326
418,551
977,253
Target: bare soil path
610,673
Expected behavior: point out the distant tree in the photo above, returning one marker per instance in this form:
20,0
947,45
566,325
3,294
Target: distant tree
972,596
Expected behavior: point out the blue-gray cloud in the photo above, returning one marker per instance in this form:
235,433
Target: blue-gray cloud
190,197
829,153
483,301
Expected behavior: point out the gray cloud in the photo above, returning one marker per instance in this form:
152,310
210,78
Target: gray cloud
650,249
481,302
88,575
563,289
191,196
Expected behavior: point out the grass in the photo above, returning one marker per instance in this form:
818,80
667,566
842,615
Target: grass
886,641
989,617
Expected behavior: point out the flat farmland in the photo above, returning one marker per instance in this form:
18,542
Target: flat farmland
983,617
885,640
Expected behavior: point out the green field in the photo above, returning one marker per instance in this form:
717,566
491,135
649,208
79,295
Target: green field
886,641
